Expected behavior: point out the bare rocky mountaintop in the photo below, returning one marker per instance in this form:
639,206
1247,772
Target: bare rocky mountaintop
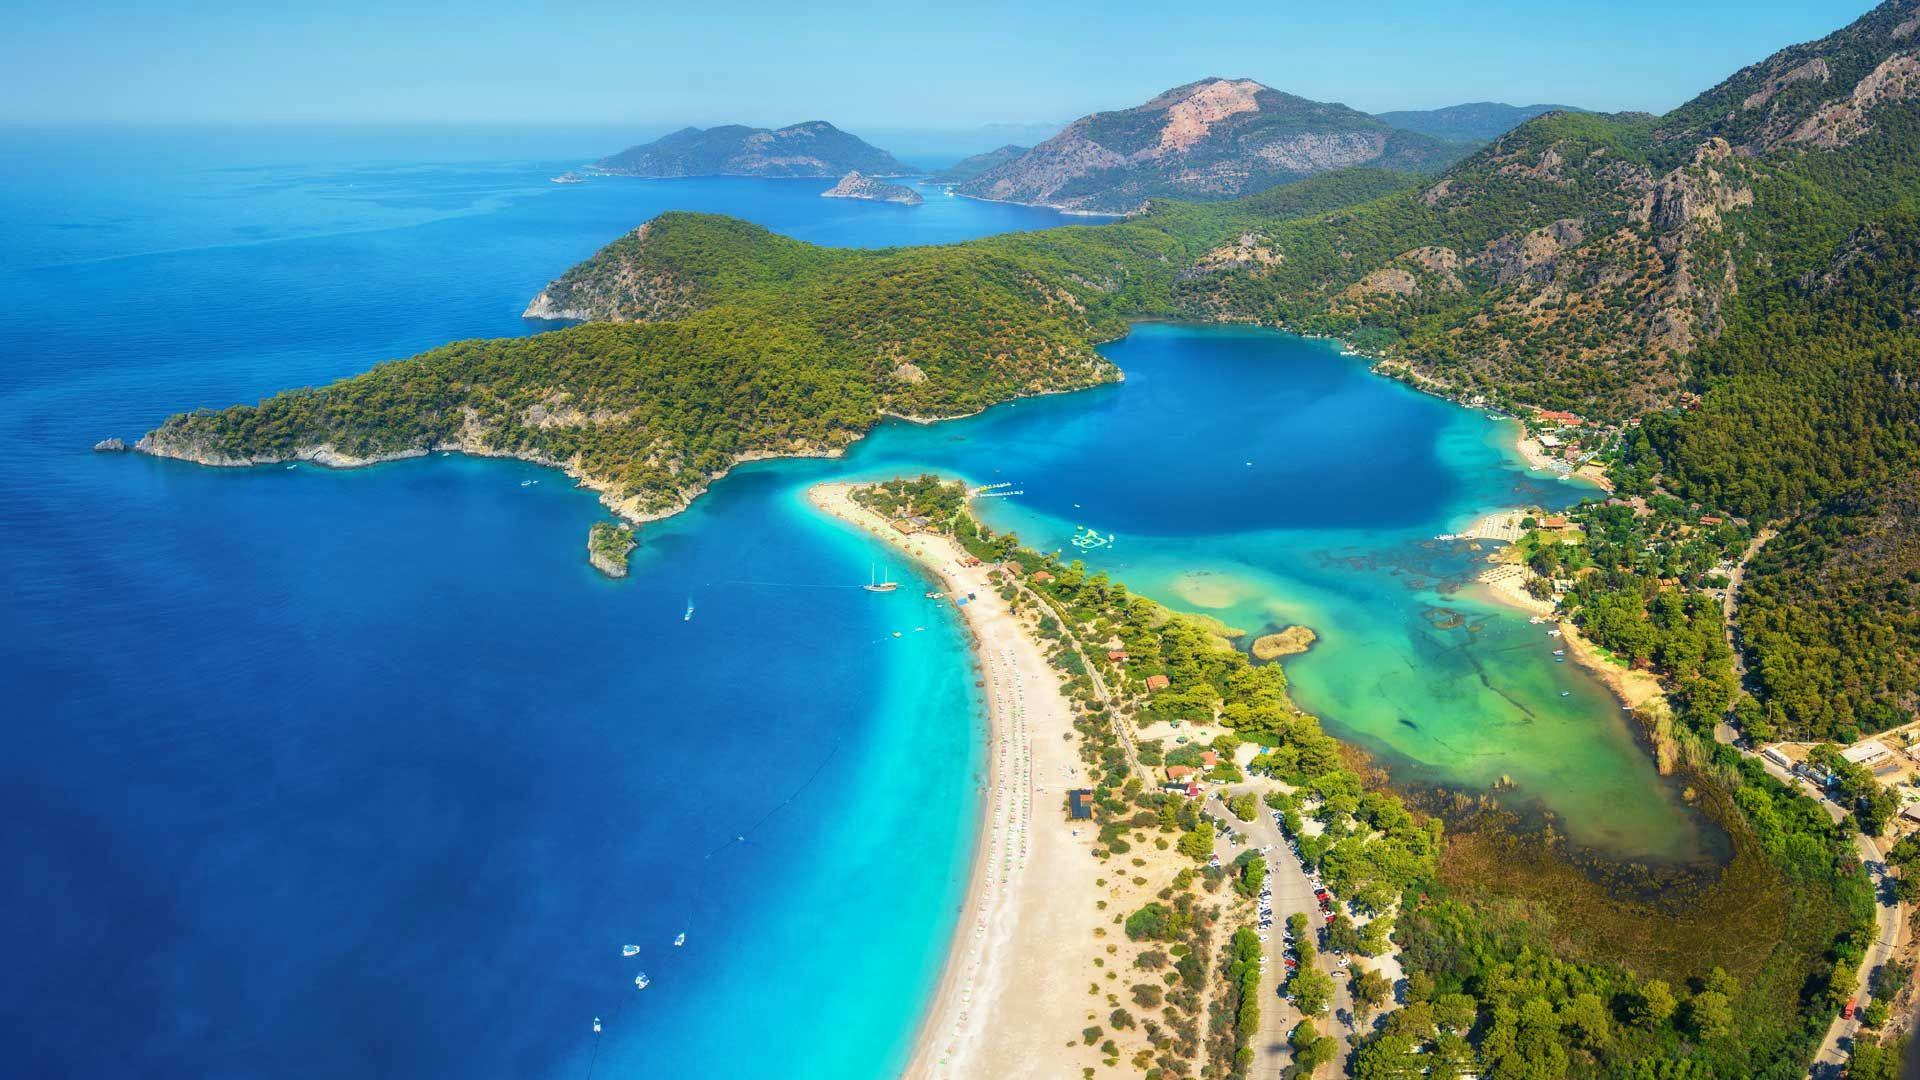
813,148
1212,139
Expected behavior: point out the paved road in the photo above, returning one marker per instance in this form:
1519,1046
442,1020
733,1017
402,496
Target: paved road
1889,915
1837,1047
1292,892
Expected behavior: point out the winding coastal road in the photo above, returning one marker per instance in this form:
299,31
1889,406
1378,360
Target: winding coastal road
1890,920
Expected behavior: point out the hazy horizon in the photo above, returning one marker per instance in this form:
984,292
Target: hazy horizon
860,66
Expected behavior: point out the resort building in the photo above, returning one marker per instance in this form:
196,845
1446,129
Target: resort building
1080,804
1869,754
1554,416
1184,779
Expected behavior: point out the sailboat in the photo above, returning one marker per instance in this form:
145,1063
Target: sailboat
688,617
876,585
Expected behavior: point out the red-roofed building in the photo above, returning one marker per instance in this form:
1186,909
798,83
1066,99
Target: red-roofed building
1116,655
1158,682
1041,575
1555,416
1711,519
1208,759
1553,521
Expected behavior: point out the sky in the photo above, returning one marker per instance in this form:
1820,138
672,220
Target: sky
897,65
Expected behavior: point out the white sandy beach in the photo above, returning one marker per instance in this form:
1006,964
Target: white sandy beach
1013,991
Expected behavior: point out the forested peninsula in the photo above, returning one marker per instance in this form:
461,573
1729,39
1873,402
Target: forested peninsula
1749,255
1733,286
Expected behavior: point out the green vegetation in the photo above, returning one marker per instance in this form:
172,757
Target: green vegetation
1758,256
1519,959
608,545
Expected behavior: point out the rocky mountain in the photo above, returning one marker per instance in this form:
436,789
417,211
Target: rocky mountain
855,185
1478,121
813,148
969,167
1212,139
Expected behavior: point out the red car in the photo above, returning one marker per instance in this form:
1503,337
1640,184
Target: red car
1847,1013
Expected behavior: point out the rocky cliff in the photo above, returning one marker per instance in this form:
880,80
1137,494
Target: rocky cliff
1212,139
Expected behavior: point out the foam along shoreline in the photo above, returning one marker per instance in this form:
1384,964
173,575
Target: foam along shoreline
1005,1004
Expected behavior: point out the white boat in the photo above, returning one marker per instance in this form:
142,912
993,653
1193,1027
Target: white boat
874,584
596,1025
629,950
688,617
680,939
640,981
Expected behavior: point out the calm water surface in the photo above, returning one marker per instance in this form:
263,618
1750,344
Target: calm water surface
368,773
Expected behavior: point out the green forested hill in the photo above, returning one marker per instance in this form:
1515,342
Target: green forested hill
1755,246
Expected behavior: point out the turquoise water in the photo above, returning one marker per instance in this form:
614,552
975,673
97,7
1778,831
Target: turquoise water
1269,481
368,773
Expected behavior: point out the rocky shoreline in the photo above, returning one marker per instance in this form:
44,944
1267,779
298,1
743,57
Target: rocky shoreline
854,185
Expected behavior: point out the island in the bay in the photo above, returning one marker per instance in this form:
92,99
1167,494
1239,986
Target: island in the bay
608,545
813,148
1713,307
855,185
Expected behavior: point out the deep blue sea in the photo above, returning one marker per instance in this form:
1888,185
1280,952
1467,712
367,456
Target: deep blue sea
368,773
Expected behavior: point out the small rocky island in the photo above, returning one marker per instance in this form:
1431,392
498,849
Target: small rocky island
1288,642
608,545
855,185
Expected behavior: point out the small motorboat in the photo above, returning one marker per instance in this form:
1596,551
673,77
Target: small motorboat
680,939
629,950
596,1025
640,981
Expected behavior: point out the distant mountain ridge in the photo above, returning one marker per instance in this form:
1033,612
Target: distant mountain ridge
812,148
1475,121
969,167
1212,139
